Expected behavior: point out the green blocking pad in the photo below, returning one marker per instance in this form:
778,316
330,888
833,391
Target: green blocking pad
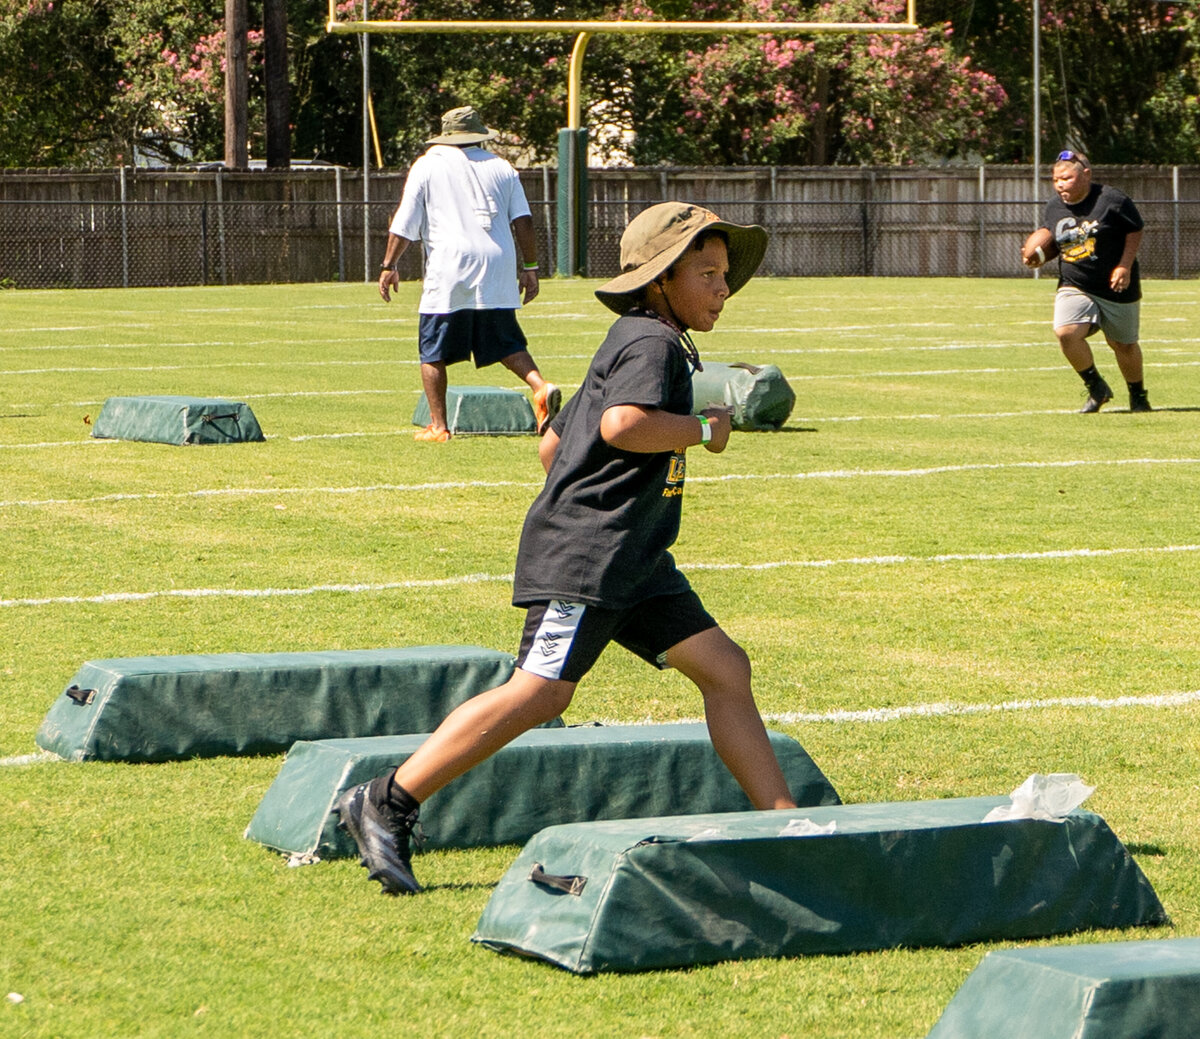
482,409
760,396
543,777
176,420
173,707
1121,990
672,892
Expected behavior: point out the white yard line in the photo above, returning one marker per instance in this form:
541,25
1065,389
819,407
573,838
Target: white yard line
256,593
866,716
466,579
873,715
404,488
946,557
239,492
31,759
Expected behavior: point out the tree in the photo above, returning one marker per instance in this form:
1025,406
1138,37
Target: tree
818,99
1120,79
57,74
87,83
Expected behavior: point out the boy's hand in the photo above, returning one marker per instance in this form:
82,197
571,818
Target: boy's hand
721,421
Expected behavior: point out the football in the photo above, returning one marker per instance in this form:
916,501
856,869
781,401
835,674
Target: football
1038,248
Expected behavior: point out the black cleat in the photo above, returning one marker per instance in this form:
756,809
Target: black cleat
1098,396
382,835
1139,402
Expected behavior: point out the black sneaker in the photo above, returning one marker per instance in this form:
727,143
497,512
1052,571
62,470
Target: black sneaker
1139,402
1098,396
382,835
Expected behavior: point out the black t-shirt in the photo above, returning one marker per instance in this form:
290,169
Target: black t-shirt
1091,237
599,531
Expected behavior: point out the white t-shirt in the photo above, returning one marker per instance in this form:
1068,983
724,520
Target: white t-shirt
459,203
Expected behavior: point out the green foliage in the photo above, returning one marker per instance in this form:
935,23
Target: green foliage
825,98
87,82
170,97
57,76
1120,79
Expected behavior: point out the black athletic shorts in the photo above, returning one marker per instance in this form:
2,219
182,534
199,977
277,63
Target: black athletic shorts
487,335
562,640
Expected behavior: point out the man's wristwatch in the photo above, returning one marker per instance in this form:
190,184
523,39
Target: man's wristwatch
387,266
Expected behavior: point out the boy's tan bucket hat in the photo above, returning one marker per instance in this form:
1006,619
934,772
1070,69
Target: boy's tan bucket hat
463,126
658,236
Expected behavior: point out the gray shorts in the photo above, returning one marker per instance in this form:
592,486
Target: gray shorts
1118,321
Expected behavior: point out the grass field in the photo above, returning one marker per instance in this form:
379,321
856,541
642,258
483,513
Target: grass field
947,580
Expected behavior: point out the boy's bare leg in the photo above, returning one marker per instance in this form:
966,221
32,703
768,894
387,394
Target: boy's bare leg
721,670
523,366
478,728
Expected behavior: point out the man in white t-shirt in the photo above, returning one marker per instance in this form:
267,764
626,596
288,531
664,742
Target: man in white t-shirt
468,208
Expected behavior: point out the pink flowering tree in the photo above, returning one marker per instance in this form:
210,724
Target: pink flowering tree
822,98
911,99
170,95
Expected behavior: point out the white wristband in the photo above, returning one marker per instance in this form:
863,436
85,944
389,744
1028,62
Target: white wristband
705,429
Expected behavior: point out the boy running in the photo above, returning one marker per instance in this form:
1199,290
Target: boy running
594,564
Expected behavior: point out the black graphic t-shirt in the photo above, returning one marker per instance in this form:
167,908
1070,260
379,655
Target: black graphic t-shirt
600,530
1091,237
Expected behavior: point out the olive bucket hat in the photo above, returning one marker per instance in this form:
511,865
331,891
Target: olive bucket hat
463,126
658,236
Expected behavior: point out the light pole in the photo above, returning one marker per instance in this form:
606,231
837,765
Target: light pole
364,41
1037,97
1037,109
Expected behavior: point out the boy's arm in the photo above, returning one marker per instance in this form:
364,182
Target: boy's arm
547,446
631,427
1123,271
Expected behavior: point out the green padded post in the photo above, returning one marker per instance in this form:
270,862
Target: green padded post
572,202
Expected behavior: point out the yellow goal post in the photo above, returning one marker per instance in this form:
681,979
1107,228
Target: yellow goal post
572,228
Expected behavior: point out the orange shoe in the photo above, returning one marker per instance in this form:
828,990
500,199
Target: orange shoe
433,436
546,404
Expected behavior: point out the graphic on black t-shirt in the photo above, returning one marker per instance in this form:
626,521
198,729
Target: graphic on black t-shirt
1077,242
676,470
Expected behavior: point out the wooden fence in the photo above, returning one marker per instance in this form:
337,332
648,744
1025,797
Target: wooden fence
102,228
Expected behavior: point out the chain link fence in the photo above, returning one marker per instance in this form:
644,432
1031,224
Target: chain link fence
74,244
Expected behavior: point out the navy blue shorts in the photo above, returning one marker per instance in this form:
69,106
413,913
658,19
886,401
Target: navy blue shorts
562,640
487,335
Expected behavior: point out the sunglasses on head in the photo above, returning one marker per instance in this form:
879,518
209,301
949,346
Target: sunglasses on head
1070,156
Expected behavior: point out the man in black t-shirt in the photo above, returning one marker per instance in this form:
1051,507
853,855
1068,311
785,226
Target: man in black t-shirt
1095,230
594,563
